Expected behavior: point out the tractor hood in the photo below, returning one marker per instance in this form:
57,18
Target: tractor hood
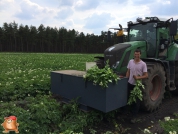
115,53
120,54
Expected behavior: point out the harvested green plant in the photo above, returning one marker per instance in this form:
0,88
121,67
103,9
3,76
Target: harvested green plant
101,76
136,92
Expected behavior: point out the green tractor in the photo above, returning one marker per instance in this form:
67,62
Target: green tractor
158,41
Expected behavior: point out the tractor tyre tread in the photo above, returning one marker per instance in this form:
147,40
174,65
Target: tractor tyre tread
176,78
148,104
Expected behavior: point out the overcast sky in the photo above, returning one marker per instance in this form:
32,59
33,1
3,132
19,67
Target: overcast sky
88,16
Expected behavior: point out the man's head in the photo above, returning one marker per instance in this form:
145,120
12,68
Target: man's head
137,54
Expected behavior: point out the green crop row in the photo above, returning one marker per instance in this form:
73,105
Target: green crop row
25,93
28,74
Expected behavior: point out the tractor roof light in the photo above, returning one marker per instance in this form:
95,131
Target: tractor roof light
155,18
139,19
129,23
151,19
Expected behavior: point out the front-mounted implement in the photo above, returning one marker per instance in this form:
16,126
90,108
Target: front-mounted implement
70,84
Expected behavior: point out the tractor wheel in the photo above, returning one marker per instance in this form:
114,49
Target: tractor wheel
176,78
154,87
100,63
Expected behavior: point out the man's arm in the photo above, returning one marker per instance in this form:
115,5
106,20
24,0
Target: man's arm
128,73
145,75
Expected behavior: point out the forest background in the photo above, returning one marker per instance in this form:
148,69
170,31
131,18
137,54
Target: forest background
24,38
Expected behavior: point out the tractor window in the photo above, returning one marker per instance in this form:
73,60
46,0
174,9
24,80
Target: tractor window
176,36
164,33
137,33
146,32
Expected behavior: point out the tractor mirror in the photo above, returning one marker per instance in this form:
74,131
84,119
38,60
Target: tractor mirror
173,28
109,36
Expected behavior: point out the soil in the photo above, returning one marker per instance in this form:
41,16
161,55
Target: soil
144,120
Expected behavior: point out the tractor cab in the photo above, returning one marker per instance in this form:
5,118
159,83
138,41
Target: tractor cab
156,32
151,35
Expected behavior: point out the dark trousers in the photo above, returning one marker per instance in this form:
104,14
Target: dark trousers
134,106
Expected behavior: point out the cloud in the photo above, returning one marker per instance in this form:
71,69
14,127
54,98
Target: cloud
82,5
66,2
88,16
64,13
29,10
118,2
142,2
166,2
4,4
98,21
47,3
69,23
165,8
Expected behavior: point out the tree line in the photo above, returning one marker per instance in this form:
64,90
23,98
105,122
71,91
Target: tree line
20,38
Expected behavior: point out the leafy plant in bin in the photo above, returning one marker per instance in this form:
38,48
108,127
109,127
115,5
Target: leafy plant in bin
101,76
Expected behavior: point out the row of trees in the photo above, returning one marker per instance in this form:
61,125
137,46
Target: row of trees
14,38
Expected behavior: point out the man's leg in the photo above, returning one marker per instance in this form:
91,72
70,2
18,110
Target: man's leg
130,88
136,107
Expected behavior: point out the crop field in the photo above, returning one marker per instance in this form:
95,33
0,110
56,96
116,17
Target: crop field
27,74
25,90
25,93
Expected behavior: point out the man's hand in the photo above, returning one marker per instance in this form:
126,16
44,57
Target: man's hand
128,73
145,75
136,77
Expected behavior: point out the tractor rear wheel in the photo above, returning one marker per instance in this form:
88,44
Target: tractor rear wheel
176,78
154,87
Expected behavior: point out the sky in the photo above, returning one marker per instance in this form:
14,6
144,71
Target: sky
87,16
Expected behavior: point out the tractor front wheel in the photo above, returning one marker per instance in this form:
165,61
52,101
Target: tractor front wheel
154,87
100,63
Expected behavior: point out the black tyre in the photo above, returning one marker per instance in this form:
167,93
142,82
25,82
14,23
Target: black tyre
100,63
176,74
154,87
176,78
